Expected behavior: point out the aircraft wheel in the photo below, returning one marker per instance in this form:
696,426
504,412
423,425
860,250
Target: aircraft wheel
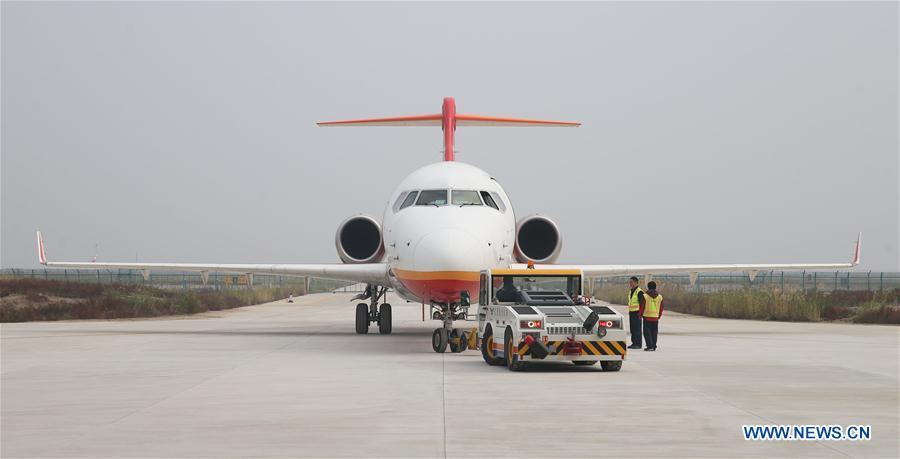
512,359
439,340
457,340
612,365
487,349
585,363
362,318
463,341
384,319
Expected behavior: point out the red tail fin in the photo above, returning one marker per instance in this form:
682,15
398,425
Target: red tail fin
448,120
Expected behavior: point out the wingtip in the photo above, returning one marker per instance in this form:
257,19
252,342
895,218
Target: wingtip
42,256
856,252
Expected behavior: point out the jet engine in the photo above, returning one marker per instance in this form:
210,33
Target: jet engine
537,240
358,240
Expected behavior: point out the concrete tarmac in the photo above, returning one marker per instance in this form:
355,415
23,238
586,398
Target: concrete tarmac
288,380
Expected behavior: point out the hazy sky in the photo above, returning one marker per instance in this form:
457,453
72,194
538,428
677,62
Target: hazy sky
713,132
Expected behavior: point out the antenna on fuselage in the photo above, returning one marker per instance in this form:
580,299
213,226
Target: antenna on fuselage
448,120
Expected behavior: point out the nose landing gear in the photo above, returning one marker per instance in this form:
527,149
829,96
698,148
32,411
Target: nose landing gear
445,336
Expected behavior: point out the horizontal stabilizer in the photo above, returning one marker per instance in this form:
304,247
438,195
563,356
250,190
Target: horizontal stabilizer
419,120
479,120
448,120
461,120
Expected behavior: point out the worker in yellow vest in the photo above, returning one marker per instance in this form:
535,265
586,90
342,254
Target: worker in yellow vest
651,310
635,301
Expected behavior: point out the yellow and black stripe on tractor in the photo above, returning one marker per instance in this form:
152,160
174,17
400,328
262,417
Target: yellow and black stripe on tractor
611,348
603,347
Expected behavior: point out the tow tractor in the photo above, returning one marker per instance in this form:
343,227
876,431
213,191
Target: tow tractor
527,315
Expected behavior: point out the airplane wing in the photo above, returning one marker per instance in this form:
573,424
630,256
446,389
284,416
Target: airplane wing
370,273
752,269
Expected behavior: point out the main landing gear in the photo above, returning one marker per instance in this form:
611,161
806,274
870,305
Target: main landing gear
369,313
447,336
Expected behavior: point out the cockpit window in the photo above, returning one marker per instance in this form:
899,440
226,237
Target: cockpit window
488,200
399,201
432,198
499,201
464,198
410,199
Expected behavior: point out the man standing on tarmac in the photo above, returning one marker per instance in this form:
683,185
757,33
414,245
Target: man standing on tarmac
651,310
635,302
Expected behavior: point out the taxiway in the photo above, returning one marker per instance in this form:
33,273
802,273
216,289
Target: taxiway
285,380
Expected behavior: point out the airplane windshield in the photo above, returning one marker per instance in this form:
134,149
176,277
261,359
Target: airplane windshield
432,198
465,198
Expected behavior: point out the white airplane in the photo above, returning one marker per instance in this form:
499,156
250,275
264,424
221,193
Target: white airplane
443,225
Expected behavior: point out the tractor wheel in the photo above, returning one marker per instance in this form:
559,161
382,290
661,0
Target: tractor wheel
612,365
512,358
487,348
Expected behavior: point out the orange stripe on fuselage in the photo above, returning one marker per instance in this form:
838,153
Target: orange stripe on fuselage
470,276
440,286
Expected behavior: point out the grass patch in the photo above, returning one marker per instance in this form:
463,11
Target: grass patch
774,304
23,300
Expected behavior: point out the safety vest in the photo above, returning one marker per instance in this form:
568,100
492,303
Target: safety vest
651,306
633,303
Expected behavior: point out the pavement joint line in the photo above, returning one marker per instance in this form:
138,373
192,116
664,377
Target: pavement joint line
444,399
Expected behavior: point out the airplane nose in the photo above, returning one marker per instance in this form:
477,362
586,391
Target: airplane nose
448,250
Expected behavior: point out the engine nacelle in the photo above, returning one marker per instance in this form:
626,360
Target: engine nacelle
358,240
537,240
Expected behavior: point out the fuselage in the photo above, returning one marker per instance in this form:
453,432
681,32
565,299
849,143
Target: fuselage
435,249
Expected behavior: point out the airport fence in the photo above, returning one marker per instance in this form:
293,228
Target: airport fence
817,281
813,281
177,280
